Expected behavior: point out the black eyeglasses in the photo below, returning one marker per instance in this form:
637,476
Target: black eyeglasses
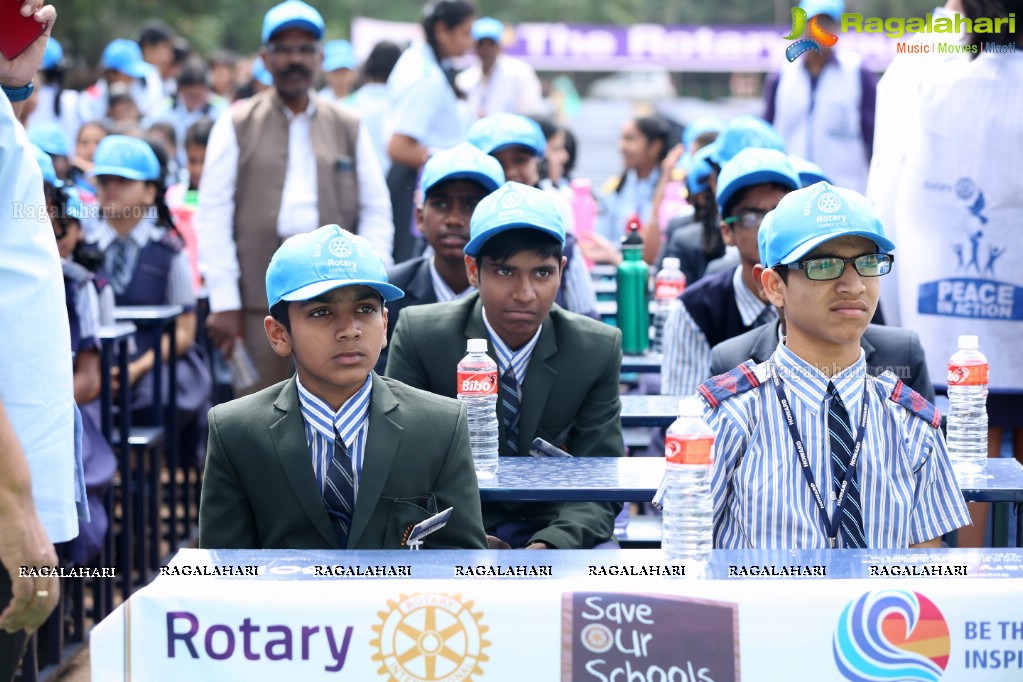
284,50
832,267
749,218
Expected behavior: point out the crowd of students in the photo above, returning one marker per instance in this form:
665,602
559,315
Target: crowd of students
353,240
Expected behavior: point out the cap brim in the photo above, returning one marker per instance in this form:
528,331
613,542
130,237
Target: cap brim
809,245
482,178
759,177
303,24
334,65
539,153
485,35
119,171
475,244
388,291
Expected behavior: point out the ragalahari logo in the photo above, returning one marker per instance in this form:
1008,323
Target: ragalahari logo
892,635
817,39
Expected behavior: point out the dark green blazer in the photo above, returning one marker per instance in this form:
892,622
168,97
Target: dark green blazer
570,397
260,492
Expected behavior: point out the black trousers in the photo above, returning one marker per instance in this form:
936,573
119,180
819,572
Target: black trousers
12,647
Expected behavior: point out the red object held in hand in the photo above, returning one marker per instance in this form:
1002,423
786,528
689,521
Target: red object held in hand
17,32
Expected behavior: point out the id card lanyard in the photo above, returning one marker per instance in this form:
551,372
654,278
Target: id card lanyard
831,525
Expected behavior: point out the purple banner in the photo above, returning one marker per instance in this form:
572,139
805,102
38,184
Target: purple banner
581,47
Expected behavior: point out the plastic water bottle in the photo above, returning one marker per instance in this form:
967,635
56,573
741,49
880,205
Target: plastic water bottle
967,408
633,314
244,373
668,286
477,387
688,519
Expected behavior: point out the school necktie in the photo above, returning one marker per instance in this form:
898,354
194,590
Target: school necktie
842,442
510,406
339,490
121,268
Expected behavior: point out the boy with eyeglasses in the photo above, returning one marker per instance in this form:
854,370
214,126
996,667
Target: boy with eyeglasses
812,451
727,303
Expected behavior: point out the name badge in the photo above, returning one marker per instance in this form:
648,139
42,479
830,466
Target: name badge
344,164
430,525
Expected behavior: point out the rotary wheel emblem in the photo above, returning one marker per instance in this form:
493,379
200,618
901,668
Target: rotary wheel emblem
339,247
829,202
511,200
430,638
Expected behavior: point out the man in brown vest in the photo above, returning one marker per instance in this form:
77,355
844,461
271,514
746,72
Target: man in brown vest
281,163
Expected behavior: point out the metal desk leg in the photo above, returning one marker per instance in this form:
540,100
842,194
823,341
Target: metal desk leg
1000,530
124,460
171,436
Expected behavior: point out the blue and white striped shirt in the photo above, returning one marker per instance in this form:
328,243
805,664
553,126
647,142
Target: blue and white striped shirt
351,421
580,296
518,360
441,289
686,361
908,491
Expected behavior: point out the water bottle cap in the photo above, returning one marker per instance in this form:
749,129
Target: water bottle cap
969,342
476,346
671,263
690,407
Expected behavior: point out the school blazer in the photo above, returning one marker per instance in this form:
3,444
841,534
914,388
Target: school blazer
570,398
260,492
884,348
413,278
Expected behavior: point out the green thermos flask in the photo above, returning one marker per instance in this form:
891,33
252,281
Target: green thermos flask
633,307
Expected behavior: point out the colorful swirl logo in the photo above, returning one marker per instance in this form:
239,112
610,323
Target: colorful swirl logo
892,635
818,36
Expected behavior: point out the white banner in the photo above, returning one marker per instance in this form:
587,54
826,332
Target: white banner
620,627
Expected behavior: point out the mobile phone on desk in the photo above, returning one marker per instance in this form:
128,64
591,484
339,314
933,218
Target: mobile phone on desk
17,32
541,448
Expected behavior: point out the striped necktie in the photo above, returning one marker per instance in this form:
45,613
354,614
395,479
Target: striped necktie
121,268
510,409
339,490
842,443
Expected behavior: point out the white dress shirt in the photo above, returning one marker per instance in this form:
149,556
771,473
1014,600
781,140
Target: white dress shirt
36,385
511,87
299,212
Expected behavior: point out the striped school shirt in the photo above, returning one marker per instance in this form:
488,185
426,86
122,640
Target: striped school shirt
686,361
441,289
761,499
351,421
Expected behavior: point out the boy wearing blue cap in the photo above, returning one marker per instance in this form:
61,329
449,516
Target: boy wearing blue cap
726,303
812,451
335,457
499,83
122,63
339,65
519,144
559,371
453,183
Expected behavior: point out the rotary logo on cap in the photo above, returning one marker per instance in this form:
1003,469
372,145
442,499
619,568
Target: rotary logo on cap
829,202
511,200
339,247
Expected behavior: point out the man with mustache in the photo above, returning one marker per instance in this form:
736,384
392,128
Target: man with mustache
811,450
282,163
453,182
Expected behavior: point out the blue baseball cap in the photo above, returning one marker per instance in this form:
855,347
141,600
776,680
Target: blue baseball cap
329,257
53,55
125,157
125,56
50,137
73,207
45,165
339,54
488,27
292,14
809,172
500,131
808,217
754,167
462,162
742,132
699,170
703,124
833,8
260,73
511,207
